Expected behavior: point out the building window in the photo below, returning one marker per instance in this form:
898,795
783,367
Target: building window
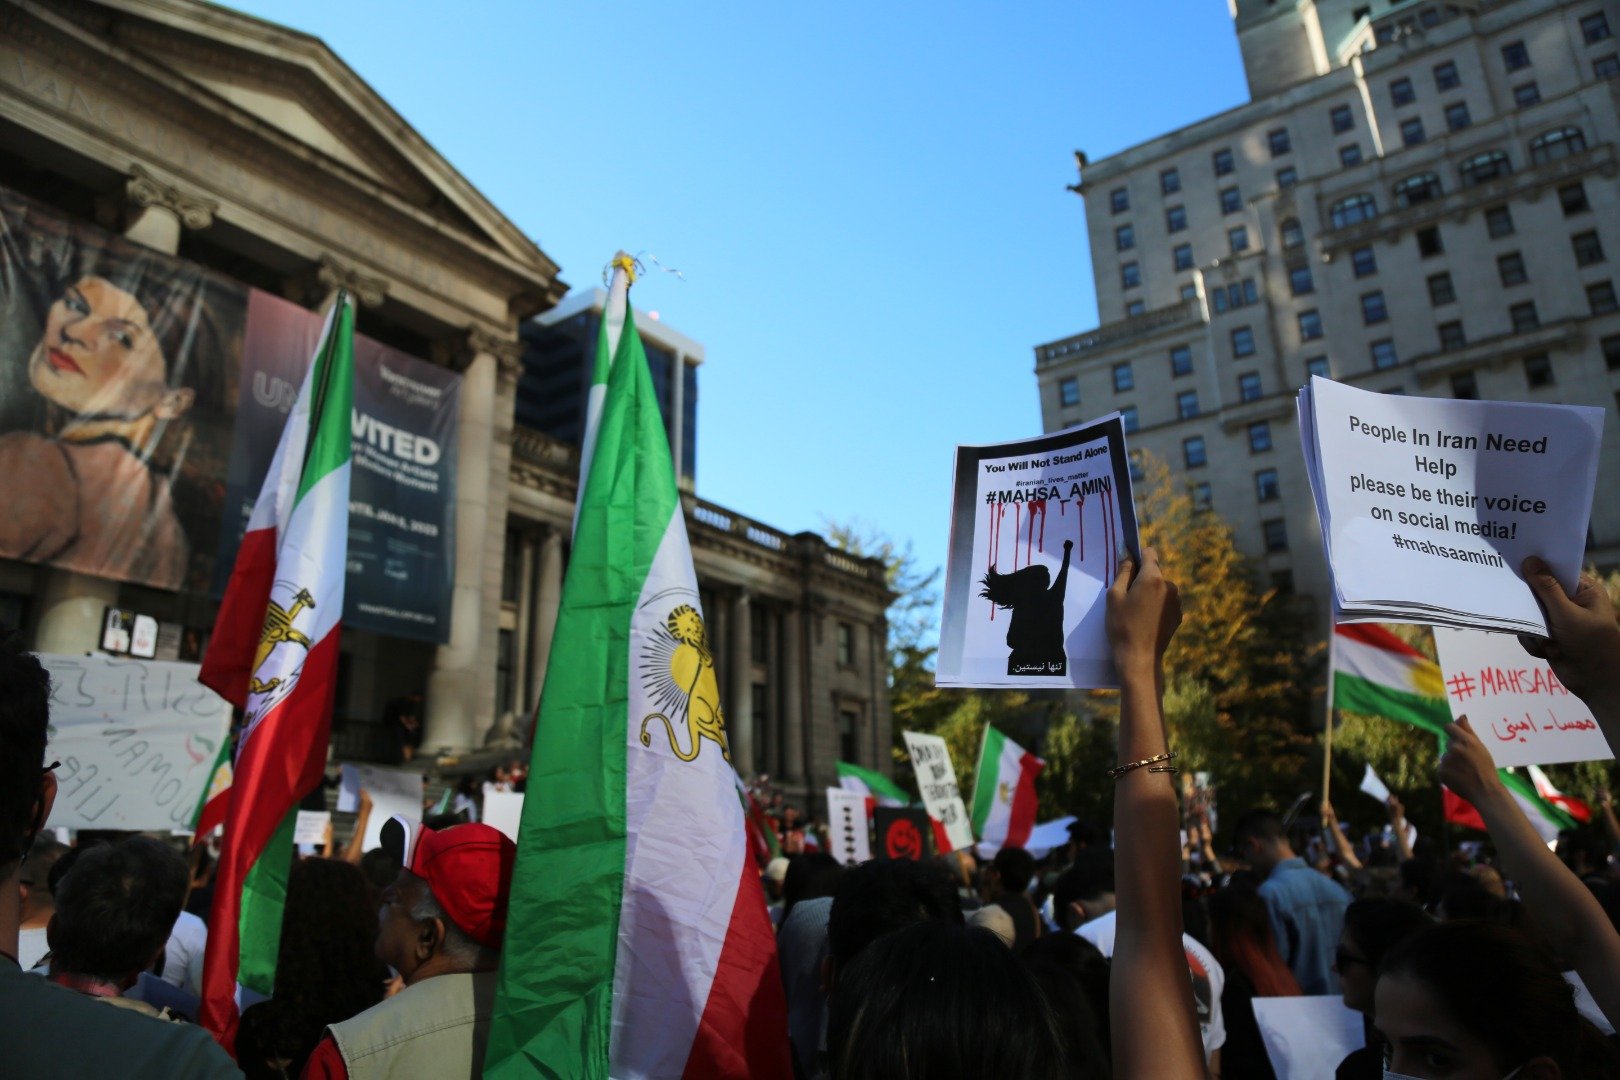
1428,242
1595,27
1181,361
1420,188
1266,486
1606,67
1130,275
1181,255
1373,309
1278,140
848,738
1299,281
1557,143
1123,379
1259,436
1350,155
1498,221
1611,351
1482,167
1242,342
1363,261
1282,582
846,645
1119,200
1292,235
1600,297
1588,248
1446,77
505,676
1069,392
1318,365
1124,238
1401,92
1457,116
1192,452
1440,290
1524,316
1412,131
1237,295
1128,419
1465,386
1310,325
1352,210
1515,56
1238,237
1231,200
1383,354
1538,371
1135,308
1189,291
1526,95
1203,497
1510,268
1223,162
1341,118
1175,219
1287,177
1452,337
1572,197
1170,181
1249,386
1186,405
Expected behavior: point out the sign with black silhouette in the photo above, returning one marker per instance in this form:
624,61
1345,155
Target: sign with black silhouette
902,833
1037,531
846,826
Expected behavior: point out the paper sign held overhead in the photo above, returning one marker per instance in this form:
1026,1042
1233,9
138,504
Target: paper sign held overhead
936,783
310,827
392,791
1374,786
846,826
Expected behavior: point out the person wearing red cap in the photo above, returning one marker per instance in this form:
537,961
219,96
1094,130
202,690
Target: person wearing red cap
440,927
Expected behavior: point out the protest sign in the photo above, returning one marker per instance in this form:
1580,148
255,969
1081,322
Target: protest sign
309,827
503,810
1038,528
137,741
1429,506
1517,706
936,783
392,791
1372,785
901,833
1307,1037
846,826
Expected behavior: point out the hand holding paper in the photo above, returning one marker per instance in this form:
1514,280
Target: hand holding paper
1582,643
1466,767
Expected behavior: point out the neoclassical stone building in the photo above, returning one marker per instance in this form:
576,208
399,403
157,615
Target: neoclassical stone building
255,152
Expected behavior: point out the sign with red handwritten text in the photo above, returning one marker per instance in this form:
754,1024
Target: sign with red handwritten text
1515,703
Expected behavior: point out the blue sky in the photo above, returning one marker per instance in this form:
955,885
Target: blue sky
867,200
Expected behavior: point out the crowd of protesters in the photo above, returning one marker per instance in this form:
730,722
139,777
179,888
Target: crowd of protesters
1135,953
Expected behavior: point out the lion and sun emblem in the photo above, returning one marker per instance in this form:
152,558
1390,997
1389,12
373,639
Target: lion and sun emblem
678,675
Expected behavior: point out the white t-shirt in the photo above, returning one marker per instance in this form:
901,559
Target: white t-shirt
1208,978
183,955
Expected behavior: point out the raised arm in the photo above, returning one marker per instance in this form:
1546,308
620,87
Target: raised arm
1397,822
1152,1014
1341,843
1583,643
1061,585
355,847
1565,910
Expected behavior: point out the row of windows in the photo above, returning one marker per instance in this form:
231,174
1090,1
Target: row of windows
1195,455
1222,161
1538,371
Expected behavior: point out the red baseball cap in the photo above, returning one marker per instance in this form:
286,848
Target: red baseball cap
468,868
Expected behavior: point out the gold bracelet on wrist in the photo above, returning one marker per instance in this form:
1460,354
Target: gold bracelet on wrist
1151,763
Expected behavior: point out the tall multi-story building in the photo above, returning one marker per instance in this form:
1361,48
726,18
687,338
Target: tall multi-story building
1421,197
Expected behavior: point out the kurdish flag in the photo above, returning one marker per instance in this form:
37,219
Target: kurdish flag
637,943
874,785
274,654
1004,791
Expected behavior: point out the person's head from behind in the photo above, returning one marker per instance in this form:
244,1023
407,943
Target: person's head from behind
1241,937
881,896
1086,889
1371,929
380,868
940,1001
326,953
1084,963
1466,896
1261,840
809,874
1008,874
446,911
35,878
115,909
26,788
1467,1000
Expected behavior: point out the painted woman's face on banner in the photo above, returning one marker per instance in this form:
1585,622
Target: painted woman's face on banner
98,355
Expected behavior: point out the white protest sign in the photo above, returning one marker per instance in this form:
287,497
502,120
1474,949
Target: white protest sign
137,740
1517,706
503,810
846,826
392,791
309,827
936,783
1038,528
1307,1037
1429,506
1372,785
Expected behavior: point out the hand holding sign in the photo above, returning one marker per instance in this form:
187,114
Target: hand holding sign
1583,642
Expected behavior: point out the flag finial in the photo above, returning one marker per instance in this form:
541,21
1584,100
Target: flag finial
628,264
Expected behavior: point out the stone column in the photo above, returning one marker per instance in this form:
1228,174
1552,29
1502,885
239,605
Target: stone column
772,749
548,597
155,212
792,697
523,673
741,706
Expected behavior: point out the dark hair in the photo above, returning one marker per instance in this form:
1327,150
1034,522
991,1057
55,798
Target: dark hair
36,868
380,868
1015,867
1086,834
1380,925
182,320
881,896
1463,897
1498,986
810,875
1421,878
116,907
939,1002
274,1040
1242,939
25,694
1091,875
1258,824
1087,965
1011,589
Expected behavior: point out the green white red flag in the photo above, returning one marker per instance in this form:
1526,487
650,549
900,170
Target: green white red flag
873,784
274,654
1004,791
637,941
215,798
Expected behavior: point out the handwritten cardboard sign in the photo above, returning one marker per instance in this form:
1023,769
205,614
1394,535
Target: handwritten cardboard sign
1515,703
309,827
136,739
936,783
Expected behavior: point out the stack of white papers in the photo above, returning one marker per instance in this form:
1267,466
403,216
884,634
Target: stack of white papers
1429,506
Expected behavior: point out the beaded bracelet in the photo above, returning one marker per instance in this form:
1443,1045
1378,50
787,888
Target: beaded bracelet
1152,763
